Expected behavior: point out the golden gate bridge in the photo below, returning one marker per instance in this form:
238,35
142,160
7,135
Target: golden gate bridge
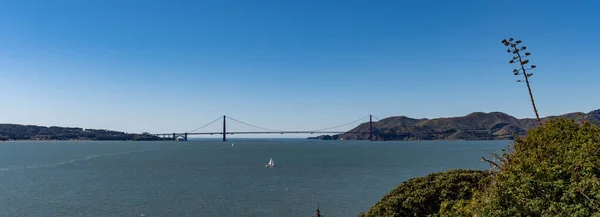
224,132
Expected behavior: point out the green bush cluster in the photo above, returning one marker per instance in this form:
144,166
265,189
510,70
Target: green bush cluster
553,171
423,196
550,172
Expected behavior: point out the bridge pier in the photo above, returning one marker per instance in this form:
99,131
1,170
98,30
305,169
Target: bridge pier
185,137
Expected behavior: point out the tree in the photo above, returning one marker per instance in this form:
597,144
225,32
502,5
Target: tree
431,194
553,171
518,58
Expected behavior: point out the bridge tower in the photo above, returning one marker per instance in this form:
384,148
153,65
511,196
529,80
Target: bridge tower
224,128
185,137
371,127
174,136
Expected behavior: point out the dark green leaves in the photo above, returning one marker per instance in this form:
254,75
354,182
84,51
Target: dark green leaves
547,174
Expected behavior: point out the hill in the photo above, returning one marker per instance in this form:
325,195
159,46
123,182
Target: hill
474,126
32,132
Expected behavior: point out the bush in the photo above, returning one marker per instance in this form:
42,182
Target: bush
423,196
553,171
549,173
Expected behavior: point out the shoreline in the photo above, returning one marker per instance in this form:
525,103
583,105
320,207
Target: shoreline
204,139
79,140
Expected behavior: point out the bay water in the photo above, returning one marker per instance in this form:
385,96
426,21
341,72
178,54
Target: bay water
214,178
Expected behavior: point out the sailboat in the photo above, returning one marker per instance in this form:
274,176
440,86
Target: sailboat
271,163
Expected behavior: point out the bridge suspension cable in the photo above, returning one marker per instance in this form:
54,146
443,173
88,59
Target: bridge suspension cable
376,118
329,128
241,122
205,125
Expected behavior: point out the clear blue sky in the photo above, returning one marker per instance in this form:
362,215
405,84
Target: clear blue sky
156,66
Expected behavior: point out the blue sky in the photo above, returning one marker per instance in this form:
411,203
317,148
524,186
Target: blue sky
163,66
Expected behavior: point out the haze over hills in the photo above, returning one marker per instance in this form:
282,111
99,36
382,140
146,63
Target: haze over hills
474,126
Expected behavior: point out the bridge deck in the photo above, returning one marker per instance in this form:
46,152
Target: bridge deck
258,132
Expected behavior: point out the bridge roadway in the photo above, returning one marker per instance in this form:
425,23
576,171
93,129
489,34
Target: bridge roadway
259,132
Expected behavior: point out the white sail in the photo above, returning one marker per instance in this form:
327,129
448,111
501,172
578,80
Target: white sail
271,163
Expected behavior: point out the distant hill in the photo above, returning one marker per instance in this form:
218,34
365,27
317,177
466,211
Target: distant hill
474,126
32,132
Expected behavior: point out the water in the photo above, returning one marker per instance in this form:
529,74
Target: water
212,178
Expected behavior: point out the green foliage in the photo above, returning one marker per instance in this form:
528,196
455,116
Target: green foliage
553,171
424,196
549,173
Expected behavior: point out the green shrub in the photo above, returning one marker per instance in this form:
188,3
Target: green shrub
423,196
553,171
549,173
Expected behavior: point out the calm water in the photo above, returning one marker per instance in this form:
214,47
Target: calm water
212,178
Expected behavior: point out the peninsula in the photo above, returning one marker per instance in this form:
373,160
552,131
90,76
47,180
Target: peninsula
32,132
474,126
